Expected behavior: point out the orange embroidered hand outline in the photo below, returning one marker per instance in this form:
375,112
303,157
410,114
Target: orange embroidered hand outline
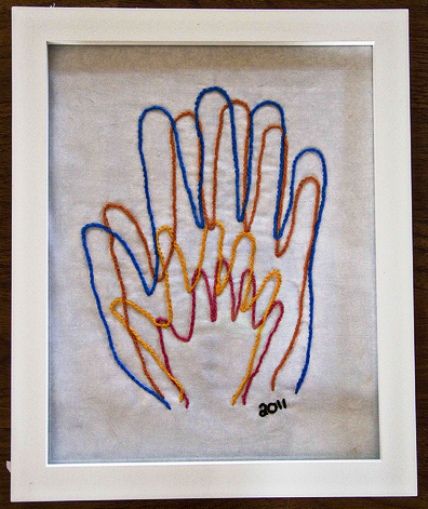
248,292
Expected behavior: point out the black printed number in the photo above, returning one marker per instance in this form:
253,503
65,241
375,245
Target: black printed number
271,408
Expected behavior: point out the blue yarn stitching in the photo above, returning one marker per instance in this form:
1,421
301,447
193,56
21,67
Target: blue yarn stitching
116,357
225,95
199,218
197,212
280,109
320,155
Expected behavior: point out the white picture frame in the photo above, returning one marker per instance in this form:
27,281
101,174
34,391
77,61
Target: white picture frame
394,474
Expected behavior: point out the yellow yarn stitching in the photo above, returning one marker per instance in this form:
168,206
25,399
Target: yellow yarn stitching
145,345
220,285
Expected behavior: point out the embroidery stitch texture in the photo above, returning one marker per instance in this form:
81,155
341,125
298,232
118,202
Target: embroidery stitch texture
249,292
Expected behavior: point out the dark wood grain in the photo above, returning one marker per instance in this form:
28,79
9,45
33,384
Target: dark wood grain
419,90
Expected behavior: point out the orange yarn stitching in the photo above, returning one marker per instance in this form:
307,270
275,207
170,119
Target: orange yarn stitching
246,304
280,251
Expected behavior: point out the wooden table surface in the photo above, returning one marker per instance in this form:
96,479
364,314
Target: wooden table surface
418,10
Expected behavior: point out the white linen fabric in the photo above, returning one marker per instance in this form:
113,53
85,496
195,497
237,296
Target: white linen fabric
96,413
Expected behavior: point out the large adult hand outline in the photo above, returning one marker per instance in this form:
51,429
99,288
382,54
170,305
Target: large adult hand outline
245,213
